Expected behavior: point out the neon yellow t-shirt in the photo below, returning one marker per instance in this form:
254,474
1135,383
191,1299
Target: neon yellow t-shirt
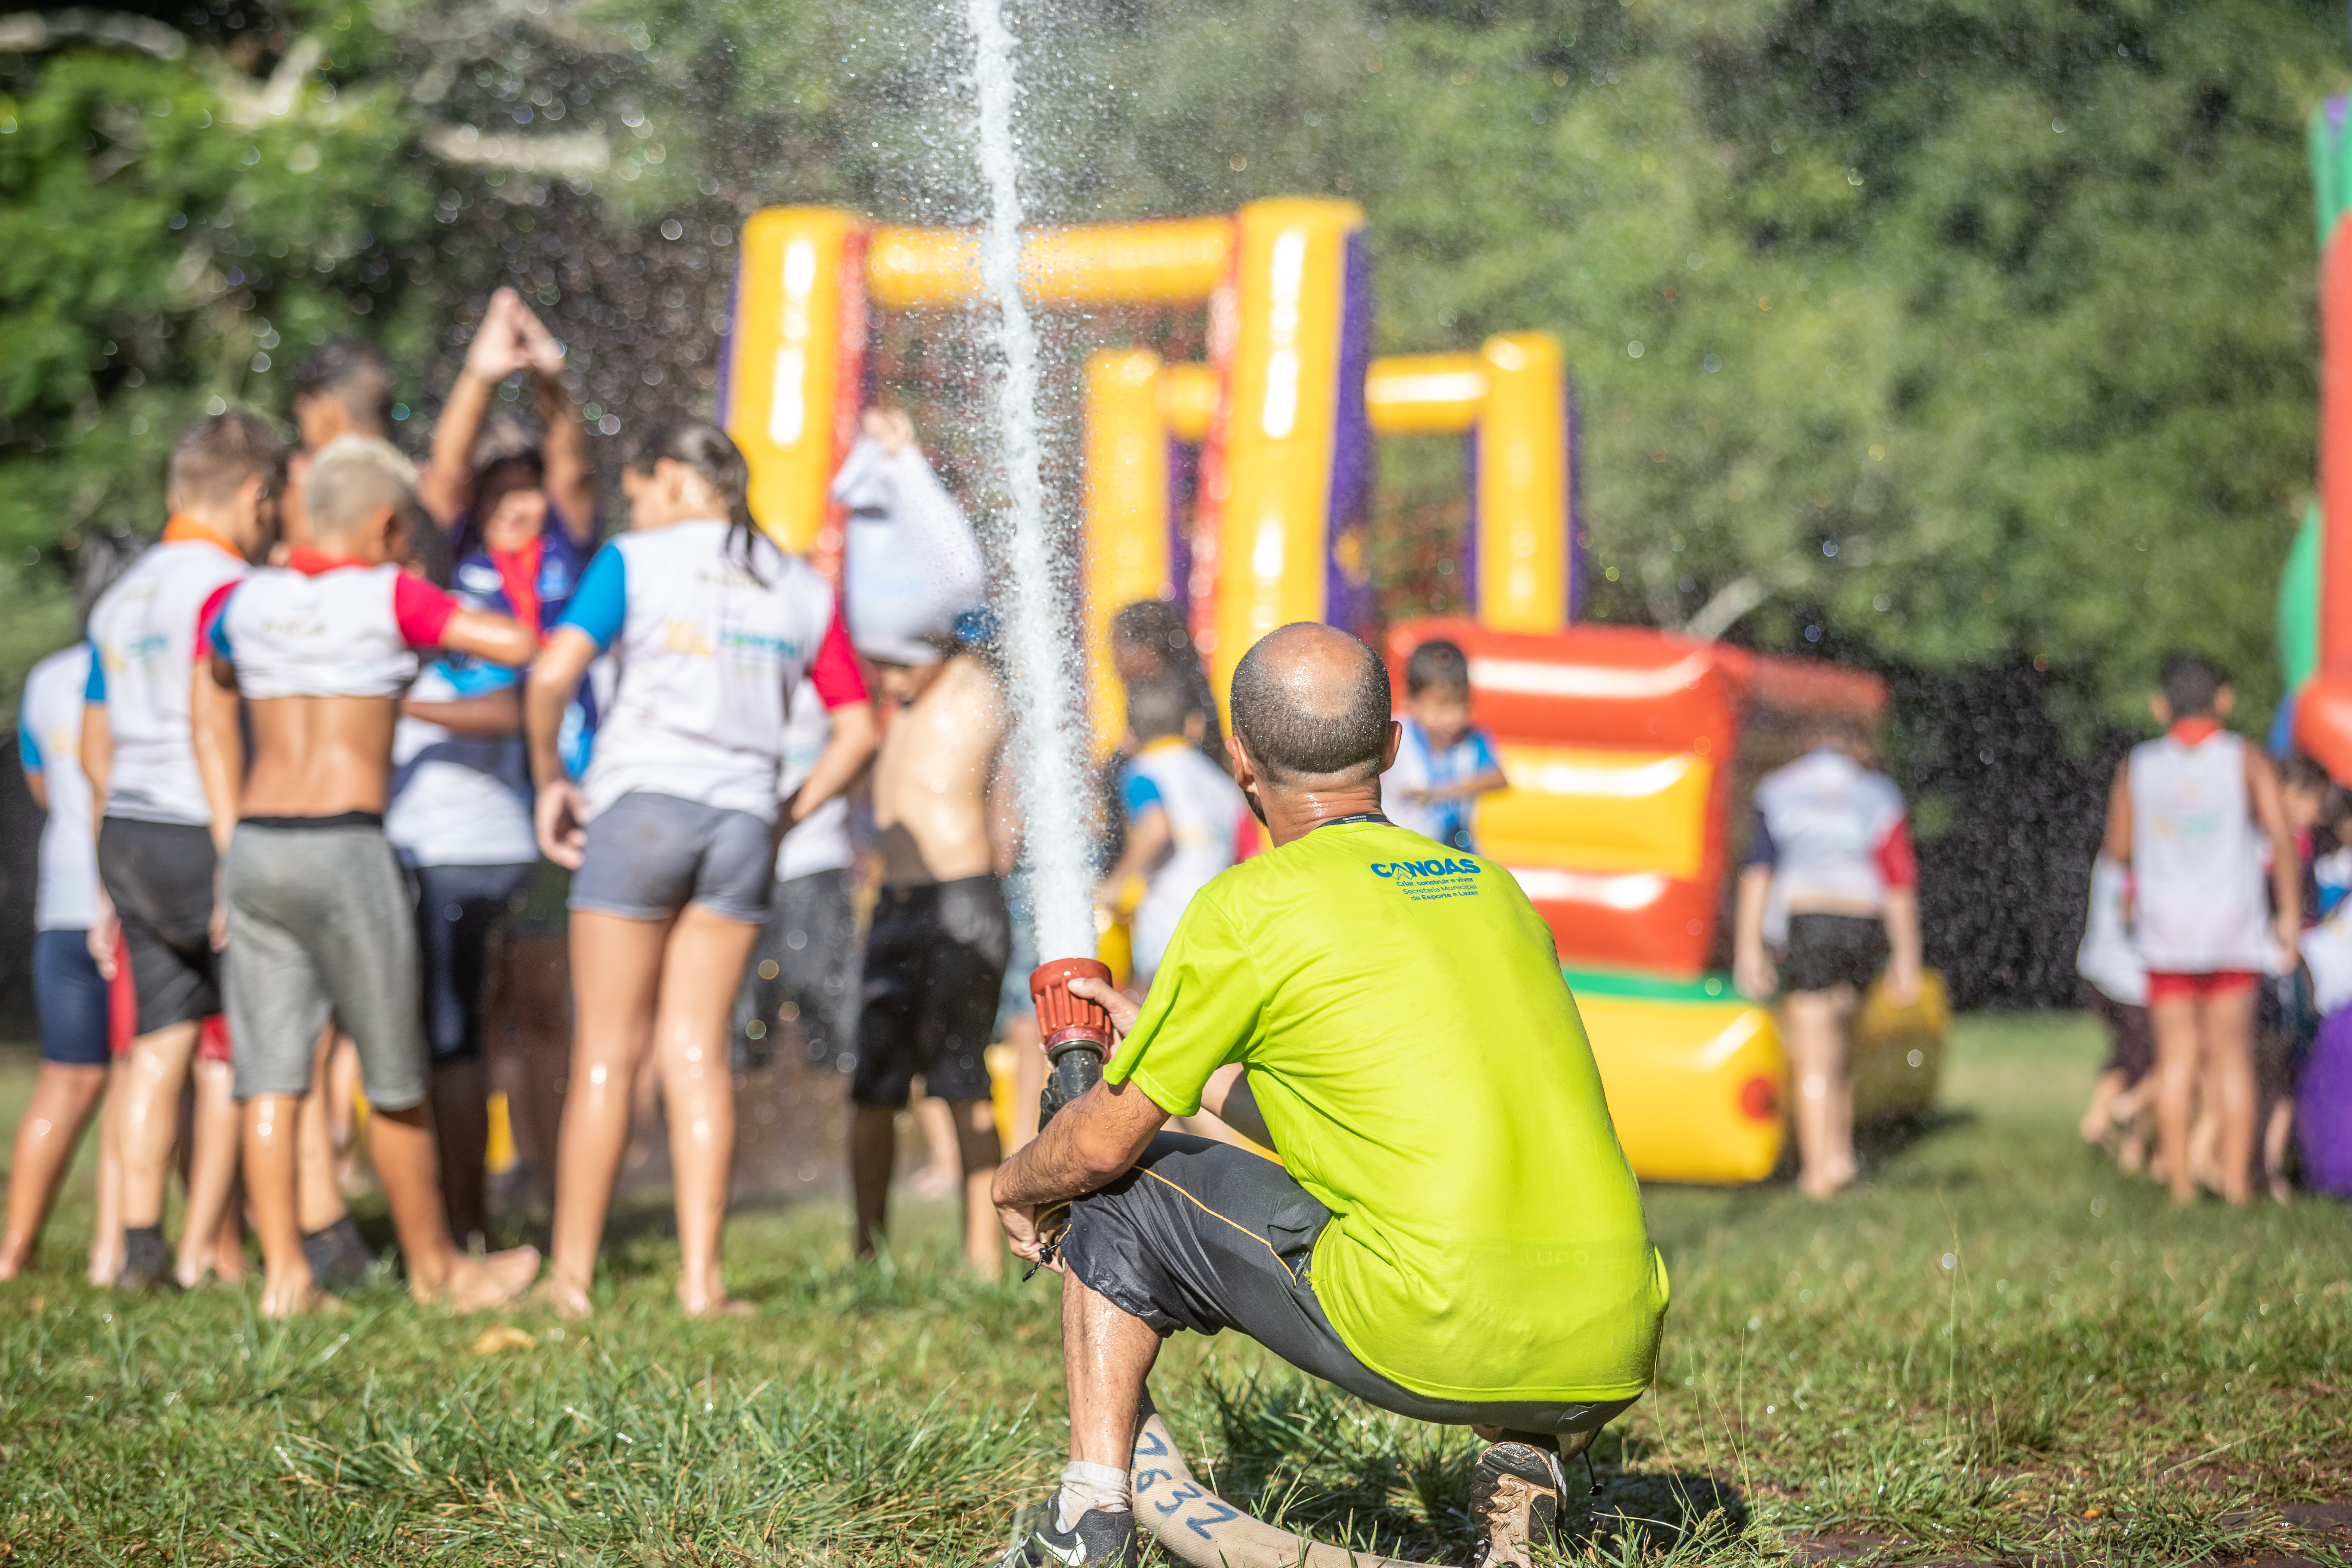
1420,1064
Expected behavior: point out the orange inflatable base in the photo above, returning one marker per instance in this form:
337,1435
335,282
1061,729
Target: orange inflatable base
2322,723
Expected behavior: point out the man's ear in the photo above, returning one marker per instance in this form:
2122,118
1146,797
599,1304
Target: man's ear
1245,770
1388,746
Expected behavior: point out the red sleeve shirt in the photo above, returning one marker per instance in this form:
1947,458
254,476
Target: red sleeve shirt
209,616
1898,867
835,672
421,610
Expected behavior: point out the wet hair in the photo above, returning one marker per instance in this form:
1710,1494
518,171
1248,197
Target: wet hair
706,448
1158,708
1157,624
354,478
102,555
1294,733
355,373
2300,772
2191,684
218,453
1437,663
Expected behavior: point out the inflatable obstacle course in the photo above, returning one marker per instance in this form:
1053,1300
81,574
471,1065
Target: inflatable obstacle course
1624,748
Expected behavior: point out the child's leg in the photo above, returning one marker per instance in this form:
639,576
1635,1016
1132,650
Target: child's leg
2275,1140
2230,1053
2098,1116
2175,1021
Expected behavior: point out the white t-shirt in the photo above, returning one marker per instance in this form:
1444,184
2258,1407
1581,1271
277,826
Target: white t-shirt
458,800
2199,902
2107,958
329,628
821,841
1205,813
143,639
49,741
1831,830
708,652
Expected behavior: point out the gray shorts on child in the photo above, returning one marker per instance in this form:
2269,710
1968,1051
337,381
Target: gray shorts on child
320,924
650,855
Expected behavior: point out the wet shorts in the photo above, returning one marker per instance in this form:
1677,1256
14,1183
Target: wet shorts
159,876
1207,1237
1826,952
2131,1043
70,996
2168,985
934,960
320,924
804,973
649,856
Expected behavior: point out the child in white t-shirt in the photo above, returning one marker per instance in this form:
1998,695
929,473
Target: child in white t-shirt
1444,763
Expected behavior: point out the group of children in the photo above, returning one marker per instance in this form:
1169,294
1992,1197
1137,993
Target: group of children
295,784
2218,951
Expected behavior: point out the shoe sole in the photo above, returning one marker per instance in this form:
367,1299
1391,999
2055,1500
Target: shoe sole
1515,1499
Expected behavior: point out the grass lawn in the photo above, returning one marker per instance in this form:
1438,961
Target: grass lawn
1996,1349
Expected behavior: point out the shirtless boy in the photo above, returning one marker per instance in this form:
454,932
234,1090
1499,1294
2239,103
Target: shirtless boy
319,920
934,958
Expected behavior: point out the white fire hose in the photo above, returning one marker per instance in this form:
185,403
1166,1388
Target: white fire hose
1195,1526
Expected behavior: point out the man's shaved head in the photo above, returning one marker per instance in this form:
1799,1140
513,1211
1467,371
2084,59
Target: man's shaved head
352,481
1312,705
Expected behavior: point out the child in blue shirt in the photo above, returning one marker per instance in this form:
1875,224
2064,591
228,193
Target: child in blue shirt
1444,763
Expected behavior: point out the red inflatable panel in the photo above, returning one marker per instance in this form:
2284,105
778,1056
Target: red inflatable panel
1624,919
1807,686
2322,723
1588,686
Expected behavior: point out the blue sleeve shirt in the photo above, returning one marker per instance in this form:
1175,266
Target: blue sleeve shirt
94,689
601,603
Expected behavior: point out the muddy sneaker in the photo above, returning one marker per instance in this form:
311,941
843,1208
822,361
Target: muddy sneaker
339,1256
1100,1537
1515,1500
146,1261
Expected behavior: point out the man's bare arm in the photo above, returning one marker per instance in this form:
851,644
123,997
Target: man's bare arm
1090,1141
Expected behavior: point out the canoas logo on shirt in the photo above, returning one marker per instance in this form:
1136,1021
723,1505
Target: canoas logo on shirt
1417,868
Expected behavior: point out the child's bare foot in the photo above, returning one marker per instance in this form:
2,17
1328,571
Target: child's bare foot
562,1297
474,1283
290,1296
713,1306
13,1259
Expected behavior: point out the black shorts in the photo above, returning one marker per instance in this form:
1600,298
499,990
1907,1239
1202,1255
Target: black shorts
1826,952
934,962
459,910
1207,1237
159,876
2131,1043
803,972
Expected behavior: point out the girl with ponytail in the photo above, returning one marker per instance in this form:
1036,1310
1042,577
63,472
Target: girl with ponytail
672,833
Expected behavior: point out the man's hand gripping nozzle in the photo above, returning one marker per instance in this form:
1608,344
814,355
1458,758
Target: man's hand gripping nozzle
1076,1035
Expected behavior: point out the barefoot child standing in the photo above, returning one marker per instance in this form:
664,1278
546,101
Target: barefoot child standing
2190,813
319,651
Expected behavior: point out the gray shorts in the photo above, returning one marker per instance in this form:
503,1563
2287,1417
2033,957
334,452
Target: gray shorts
649,856
320,924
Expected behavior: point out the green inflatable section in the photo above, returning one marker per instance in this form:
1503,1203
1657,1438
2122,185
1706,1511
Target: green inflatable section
2298,605
2331,170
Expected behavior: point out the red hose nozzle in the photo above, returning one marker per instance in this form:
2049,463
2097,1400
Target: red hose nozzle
1064,1018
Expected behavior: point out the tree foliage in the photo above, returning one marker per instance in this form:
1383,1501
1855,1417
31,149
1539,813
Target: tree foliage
1967,331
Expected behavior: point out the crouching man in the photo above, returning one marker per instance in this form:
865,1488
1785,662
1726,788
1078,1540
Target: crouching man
1453,1234
318,917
